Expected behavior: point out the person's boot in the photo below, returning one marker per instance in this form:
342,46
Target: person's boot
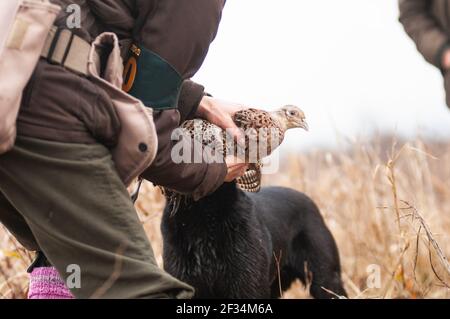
45,281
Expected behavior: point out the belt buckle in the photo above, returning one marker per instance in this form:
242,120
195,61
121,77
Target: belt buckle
69,51
60,47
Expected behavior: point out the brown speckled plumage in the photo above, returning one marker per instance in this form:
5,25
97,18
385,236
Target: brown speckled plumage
259,127
262,129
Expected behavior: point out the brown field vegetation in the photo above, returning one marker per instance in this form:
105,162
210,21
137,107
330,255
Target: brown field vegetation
387,204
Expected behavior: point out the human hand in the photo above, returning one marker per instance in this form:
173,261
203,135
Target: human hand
221,114
446,60
236,168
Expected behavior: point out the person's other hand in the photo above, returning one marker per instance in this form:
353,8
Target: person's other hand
221,114
446,60
236,168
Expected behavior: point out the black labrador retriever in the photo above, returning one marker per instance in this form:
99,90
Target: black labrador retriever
235,245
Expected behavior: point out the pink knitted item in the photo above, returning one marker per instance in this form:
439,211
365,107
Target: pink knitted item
46,283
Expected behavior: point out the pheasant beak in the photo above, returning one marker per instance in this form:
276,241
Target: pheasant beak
304,125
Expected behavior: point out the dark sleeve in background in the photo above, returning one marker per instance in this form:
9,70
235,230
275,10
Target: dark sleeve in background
424,29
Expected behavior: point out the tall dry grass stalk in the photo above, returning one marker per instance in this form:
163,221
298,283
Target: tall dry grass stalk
387,206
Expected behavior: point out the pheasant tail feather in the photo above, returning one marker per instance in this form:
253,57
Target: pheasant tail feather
251,180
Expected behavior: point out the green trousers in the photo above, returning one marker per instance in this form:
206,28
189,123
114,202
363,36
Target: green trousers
68,201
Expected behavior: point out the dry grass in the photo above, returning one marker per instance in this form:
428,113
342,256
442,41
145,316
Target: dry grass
371,197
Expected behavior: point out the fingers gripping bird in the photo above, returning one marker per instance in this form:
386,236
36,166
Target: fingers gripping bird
263,131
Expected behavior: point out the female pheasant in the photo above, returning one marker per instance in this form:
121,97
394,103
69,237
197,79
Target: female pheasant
264,132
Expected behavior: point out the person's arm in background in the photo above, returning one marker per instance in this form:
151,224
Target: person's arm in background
422,27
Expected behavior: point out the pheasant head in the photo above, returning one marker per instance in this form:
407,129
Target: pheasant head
290,117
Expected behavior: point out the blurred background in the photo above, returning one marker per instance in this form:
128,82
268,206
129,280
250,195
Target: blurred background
348,64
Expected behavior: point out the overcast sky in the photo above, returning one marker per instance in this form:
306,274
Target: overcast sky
347,63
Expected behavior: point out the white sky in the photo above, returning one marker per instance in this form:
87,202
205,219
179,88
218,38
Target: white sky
347,63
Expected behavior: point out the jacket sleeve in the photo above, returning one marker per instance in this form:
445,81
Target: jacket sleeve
196,179
423,28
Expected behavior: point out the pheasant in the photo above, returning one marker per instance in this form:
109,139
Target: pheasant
261,128
264,131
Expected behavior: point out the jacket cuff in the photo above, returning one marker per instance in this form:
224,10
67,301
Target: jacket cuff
190,97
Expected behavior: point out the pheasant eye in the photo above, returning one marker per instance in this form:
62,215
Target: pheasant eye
292,113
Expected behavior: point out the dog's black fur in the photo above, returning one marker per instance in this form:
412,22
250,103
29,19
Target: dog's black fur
227,245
